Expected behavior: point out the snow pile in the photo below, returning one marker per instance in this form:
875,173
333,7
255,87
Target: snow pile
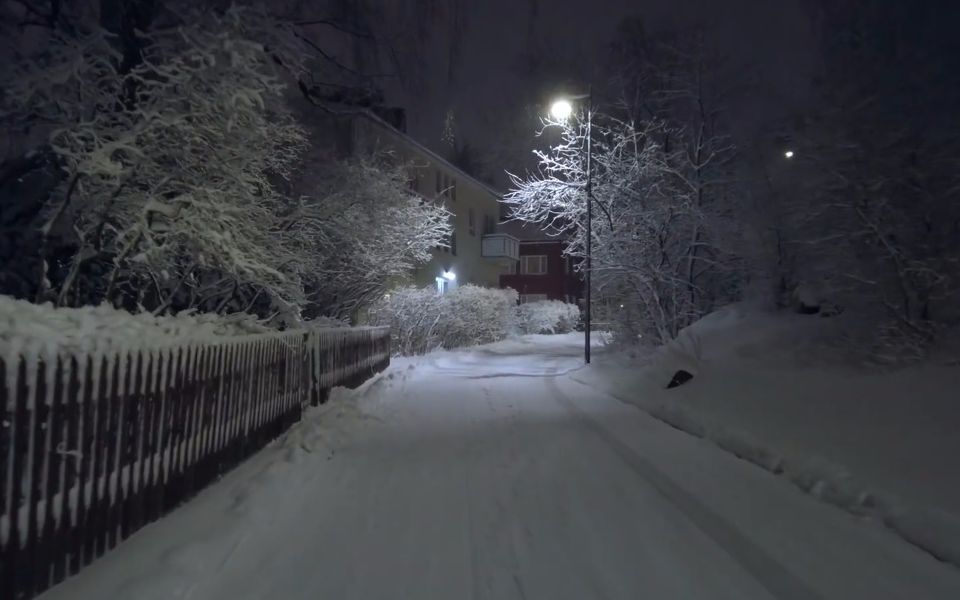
547,316
772,389
422,320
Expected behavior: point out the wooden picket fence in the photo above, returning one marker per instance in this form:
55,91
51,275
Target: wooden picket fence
92,448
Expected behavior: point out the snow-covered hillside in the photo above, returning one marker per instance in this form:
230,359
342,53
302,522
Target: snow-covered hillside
774,388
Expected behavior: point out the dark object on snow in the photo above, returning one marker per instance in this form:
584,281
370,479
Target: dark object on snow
830,310
679,378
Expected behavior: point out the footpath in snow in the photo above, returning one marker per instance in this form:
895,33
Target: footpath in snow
493,474
772,389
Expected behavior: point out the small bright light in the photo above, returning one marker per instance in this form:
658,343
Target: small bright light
621,306
788,154
449,275
561,110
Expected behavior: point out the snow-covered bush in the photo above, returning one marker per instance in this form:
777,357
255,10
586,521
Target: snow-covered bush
105,328
422,320
476,315
547,316
413,315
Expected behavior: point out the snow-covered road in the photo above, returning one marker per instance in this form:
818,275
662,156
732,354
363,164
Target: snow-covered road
488,474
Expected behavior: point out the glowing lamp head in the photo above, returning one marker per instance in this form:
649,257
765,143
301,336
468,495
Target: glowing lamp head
449,275
561,110
788,154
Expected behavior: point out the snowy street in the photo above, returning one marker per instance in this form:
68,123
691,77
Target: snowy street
487,473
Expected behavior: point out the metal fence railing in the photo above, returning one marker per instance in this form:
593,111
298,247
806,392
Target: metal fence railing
93,447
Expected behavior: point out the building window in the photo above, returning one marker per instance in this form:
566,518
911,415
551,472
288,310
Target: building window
447,186
471,221
489,225
527,298
453,243
533,265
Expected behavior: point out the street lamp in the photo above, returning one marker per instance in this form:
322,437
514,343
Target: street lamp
561,110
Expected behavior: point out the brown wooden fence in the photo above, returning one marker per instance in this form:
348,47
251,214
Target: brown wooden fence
94,447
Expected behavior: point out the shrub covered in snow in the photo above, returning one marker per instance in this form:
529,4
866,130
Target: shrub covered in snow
548,316
103,328
476,315
422,320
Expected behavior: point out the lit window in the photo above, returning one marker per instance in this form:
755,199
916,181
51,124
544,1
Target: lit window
527,298
533,265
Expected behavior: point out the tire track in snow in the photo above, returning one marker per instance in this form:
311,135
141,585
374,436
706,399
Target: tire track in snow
768,571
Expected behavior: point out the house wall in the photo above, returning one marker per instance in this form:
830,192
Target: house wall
459,193
559,283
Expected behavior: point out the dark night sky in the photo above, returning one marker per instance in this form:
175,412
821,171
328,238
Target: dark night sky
771,41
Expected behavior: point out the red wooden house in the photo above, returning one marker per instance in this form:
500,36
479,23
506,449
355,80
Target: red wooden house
542,272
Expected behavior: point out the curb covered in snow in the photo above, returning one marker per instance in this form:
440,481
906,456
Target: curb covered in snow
933,531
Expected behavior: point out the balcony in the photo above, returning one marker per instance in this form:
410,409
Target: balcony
500,247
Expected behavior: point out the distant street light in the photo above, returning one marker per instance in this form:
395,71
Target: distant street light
561,110
788,154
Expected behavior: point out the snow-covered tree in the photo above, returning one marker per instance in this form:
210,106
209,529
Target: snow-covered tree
875,224
169,164
361,231
643,219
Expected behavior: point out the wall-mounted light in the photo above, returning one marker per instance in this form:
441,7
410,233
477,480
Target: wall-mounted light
449,275
788,154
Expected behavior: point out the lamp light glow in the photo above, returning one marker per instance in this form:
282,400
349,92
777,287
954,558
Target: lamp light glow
561,110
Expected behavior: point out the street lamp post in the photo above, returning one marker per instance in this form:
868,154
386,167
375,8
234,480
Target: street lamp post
562,109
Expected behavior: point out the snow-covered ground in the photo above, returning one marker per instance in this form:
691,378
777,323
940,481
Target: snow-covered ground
775,389
492,473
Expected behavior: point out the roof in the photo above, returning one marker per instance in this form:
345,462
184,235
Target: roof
430,153
530,232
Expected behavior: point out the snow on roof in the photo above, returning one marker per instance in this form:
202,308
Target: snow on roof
529,232
433,156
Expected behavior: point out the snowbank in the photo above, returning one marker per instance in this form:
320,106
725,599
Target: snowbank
771,389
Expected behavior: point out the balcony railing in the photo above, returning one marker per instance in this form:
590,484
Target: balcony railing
500,245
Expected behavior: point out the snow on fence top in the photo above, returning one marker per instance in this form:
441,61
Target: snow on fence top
41,328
